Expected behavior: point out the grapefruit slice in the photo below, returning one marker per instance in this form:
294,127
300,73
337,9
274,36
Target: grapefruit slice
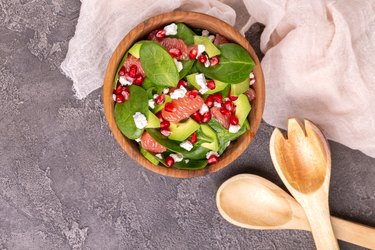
222,119
175,43
131,60
150,144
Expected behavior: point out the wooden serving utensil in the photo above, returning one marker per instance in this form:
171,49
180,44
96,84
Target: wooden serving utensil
303,162
253,202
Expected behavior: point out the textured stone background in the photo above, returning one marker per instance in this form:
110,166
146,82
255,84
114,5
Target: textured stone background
65,183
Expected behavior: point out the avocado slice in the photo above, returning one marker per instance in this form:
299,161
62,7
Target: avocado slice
211,49
240,88
210,133
152,158
157,108
243,108
219,86
182,130
152,121
134,50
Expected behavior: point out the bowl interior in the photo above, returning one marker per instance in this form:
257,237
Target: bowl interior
195,20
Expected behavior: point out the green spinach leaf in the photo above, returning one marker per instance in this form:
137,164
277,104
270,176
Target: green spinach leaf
138,102
158,65
185,33
234,67
187,65
190,165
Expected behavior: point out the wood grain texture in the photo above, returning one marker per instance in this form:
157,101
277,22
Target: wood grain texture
196,20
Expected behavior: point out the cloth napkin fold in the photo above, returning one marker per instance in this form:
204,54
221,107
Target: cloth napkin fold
318,60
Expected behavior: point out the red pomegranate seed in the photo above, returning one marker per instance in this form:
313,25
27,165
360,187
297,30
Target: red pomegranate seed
193,53
213,159
217,97
165,131
138,80
206,117
169,161
197,117
229,105
209,101
182,83
118,90
250,93
231,97
224,111
164,124
193,138
159,99
133,70
160,116
122,71
125,92
233,120
193,94
128,77
214,61
211,84
202,58
120,98
169,107
160,34
175,52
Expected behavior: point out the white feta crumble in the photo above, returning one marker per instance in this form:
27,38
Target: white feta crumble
178,64
203,109
201,81
178,93
114,97
159,156
208,155
205,32
217,104
187,161
155,96
124,81
170,29
251,75
138,139
212,38
166,91
201,49
140,120
252,81
186,145
176,157
228,143
234,128
207,64
151,103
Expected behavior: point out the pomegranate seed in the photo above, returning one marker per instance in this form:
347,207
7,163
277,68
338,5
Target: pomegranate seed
169,161
211,84
193,138
128,77
197,117
175,52
202,58
215,60
122,71
138,80
159,99
250,93
118,90
160,116
193,94
206,117
125,92
233,120
231,97
120,98
209,101
182,83
229,105
133,70
213,159
164,124
224,111
217,97
193,53
169,107
160,34
165,131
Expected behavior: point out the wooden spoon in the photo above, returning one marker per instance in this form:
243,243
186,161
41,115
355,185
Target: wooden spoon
303,162
253,202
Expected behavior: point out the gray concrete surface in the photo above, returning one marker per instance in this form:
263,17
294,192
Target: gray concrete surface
65,183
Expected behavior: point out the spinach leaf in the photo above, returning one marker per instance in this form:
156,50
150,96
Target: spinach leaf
158,65
234,67
196,153
190,165
187,65
185,33
124,112
193,68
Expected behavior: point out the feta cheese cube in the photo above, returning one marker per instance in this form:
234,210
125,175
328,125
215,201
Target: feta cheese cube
170,29
205,32
124,81
201,81
203,109
155,96
140,120
251,75
166,91
212,38
159,156
208,155
151,103
252,81
178,64
178,93
207,64
201,49
234,128
187,145
138,139
176,157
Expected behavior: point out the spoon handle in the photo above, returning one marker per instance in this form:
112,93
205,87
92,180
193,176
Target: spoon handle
358,234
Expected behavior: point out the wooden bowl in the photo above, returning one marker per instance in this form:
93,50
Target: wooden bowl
196,20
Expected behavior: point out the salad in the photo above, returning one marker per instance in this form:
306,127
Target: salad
183,95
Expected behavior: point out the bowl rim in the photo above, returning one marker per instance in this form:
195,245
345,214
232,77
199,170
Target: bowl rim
138,32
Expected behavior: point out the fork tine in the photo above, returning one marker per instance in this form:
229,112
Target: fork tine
296,128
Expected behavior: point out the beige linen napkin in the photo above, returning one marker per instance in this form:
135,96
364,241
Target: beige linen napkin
319,56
